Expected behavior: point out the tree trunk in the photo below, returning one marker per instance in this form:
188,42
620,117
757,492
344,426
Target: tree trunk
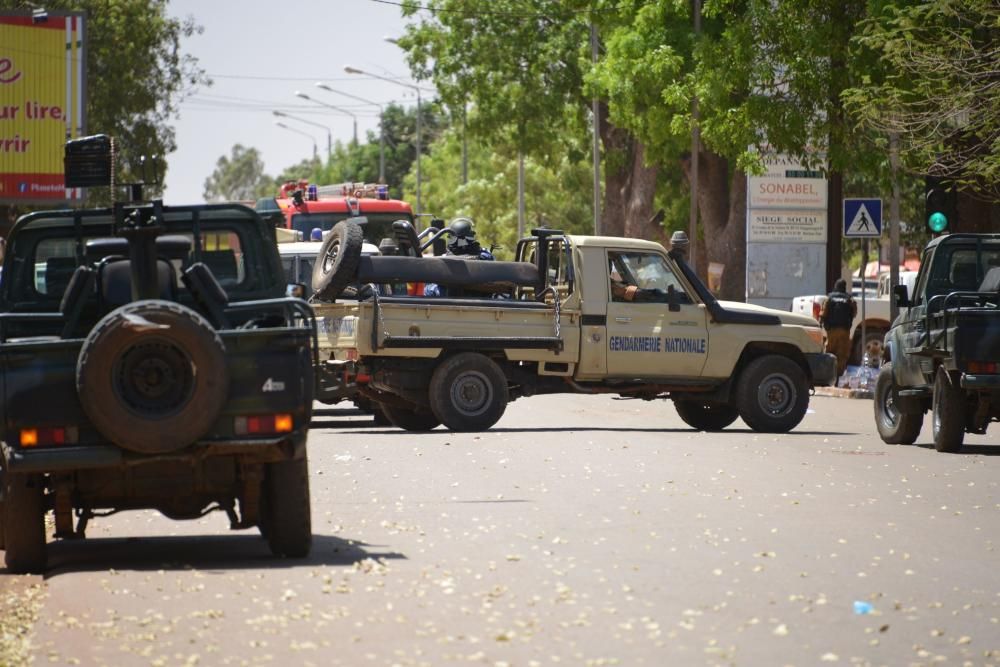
629,185
722,223
835,227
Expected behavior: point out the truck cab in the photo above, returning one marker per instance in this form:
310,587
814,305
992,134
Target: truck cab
941,352
303,207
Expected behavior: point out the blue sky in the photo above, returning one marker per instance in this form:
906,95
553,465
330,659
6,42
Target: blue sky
258,54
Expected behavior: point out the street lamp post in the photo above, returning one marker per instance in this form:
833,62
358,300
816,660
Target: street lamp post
381,125
330,106
354,70
297,131
329,136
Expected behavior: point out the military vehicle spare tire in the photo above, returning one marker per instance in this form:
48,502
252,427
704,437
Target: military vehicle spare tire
337,262
152,376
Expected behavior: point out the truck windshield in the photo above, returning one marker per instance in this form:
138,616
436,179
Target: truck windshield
378,227
961,267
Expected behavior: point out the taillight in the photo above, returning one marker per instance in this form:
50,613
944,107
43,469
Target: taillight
983,366
263,424
45,437
816,310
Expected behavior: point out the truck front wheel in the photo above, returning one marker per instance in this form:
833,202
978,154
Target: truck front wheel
468,392
285,517
948,413
894,427
706,416
772,396
24,524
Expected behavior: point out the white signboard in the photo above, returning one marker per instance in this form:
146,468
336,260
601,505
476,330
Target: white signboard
787,184
773,225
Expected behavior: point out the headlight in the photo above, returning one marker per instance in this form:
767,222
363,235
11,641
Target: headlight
816,334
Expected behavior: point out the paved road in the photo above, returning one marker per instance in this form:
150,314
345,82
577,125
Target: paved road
580,531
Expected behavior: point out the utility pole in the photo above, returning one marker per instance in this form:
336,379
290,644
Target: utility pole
695,148
597,138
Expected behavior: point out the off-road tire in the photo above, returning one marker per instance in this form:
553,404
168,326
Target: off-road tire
152,376
410,419
285,516
704,416
379,416
337,261
24,524
468,392
894,427
948,413
772,394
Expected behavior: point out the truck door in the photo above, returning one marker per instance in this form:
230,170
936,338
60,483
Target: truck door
645,338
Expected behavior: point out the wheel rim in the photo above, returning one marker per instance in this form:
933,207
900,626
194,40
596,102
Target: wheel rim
776,395
888,411
330,258
154,378
936,411
471,393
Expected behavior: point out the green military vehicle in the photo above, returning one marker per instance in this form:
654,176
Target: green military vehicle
942,352
149,359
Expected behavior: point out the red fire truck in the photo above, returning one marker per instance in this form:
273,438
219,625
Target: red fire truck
305,207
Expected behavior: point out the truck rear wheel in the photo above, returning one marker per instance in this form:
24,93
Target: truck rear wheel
468,392
894,427
772,396
24,524
285,517
948,417
706,416
337,262
410,419
152,376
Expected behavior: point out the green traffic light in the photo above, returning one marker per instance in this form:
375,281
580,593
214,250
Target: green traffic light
938,222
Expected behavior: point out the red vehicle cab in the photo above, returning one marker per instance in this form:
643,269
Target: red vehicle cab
304,207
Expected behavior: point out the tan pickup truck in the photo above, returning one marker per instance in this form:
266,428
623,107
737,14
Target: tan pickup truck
572,314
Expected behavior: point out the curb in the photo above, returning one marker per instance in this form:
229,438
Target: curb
843,392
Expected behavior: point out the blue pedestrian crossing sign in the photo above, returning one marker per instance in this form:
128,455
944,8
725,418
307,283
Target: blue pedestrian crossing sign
862,218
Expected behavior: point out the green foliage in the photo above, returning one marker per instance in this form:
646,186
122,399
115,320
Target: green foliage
556,196
310,169
136,73
935,86
360,162
517,63
239,177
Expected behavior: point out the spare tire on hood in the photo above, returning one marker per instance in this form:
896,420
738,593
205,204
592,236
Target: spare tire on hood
152,376
337,261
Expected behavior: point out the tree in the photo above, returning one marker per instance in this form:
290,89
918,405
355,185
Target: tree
359,162
239,177
136,75
935,87
521,67
558,192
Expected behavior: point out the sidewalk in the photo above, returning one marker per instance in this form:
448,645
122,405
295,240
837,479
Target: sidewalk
844,392
843,389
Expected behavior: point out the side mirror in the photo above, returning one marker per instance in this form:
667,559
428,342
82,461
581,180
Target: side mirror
296,290
901,297
673,299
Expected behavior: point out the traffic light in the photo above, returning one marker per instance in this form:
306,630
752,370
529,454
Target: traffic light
940,209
